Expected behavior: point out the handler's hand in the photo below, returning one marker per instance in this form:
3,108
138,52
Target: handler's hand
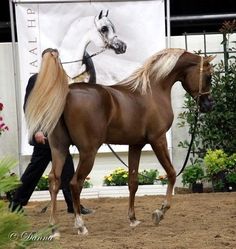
39,137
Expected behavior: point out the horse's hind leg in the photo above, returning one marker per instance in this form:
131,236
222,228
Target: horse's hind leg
54,186
85,165
161,150
134,157
59,149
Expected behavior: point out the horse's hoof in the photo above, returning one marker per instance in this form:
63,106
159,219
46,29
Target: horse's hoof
56,235
83,231
134,223
157,216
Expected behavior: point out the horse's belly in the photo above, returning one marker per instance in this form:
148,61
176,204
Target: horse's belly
119,136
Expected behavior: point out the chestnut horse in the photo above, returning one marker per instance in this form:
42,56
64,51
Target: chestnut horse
136,111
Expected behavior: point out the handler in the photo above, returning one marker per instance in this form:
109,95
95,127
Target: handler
39,161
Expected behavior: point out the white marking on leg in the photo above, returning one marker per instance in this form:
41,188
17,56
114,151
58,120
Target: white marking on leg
157,216
134,223
79,223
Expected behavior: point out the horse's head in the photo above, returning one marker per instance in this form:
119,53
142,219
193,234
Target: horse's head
106,34
197,82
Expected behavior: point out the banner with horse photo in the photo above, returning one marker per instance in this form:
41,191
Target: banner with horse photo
119,35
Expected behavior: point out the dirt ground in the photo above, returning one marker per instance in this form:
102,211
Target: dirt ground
195,221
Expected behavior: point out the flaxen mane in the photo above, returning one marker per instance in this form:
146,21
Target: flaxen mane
51,82
160,65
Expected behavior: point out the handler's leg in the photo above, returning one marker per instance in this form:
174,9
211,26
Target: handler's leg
39,161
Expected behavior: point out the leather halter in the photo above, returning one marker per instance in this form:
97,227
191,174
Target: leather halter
200,93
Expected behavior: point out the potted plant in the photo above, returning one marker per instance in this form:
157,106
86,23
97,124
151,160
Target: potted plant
146,177
216,169
231,172
193,176
119,177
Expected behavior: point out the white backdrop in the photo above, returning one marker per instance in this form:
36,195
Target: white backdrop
141,24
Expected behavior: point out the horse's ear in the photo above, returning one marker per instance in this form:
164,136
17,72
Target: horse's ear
107,13
100,15
210,58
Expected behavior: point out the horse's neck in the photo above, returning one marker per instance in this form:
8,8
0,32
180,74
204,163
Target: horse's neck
74,44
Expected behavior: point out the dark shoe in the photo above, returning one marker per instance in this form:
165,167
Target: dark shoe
15,207
83,209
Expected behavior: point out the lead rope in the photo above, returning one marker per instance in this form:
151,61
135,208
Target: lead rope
195,117
191,142
87,57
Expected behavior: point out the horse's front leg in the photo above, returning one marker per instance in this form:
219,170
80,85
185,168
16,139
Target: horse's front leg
161,150
86,162
134,157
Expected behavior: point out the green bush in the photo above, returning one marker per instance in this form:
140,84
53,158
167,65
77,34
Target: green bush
192,174
221,170
147,176
43,183
10,223
215,162
119,177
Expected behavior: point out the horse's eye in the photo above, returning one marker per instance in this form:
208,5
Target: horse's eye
104,29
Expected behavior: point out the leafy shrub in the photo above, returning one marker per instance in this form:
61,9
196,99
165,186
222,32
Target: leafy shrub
221,169
215,162
119,177
10,223
43,183
192,174
147,176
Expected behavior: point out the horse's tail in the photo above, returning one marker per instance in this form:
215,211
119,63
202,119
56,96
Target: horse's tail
47,100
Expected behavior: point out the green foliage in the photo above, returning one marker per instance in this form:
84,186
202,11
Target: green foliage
215,162
193,174
221,169
119,177
214,129
231,177
10,222
8,182
43,183
87,183
147,176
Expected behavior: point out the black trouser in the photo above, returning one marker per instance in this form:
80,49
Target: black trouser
39,161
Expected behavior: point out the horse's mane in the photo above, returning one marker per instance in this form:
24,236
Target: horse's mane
160,64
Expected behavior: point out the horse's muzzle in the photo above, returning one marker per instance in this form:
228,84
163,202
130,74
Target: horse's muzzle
206,103
118,46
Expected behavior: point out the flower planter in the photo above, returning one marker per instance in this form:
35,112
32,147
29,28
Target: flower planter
197,187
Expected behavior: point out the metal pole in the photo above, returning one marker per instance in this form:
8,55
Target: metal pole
17,88
168,23
168,45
